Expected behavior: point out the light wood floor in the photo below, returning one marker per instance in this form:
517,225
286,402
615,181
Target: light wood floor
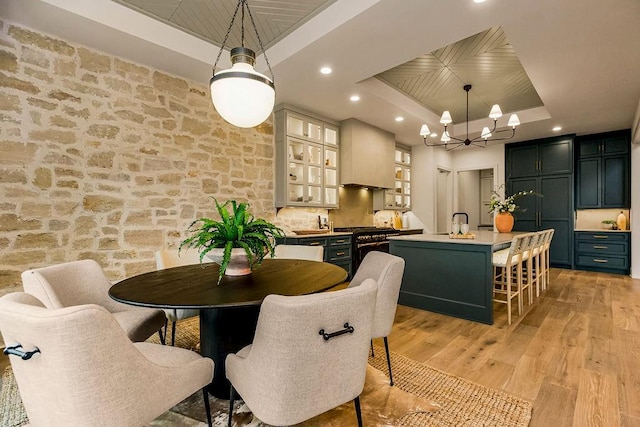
575,352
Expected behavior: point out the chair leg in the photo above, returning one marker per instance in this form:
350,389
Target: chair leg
173,333
372,355
232,397
207,407
356,402
162,341
386,347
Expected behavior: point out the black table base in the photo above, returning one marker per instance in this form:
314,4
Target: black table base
224,331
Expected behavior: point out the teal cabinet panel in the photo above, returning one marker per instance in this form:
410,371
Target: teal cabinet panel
607,251
337,249
603,171
615,182
553,182
588,175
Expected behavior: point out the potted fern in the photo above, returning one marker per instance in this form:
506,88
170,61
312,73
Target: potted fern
238,242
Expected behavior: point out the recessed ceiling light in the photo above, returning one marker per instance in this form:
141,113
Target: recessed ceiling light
326,70
354,98
556,129
479,1
399,119
433,134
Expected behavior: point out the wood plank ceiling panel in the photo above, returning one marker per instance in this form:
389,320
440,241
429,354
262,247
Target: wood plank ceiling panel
209,19
485,60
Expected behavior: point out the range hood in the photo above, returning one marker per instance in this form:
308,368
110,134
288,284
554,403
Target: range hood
366,155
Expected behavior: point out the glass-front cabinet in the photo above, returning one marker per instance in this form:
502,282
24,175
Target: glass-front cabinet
399,197
307,149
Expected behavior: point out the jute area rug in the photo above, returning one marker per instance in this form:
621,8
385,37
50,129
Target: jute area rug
409,403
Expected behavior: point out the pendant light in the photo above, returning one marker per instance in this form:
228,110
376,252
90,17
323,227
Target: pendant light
479,141
241,95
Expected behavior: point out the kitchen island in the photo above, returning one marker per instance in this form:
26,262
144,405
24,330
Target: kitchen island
450,276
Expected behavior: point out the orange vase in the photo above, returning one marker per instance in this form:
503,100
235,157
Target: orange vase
504,222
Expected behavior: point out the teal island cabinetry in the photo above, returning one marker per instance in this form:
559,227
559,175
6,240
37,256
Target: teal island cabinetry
450,276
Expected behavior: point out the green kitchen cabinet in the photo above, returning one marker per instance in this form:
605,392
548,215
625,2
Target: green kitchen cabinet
547,156
603,171
546,167
337,247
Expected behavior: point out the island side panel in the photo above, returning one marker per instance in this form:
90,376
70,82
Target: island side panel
447,278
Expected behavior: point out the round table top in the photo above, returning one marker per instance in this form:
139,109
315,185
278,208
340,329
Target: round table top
194,286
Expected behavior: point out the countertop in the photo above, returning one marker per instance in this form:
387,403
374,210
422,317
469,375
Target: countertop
310,236
483,237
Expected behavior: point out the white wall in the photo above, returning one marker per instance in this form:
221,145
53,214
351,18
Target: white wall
425,162
635,211
469,196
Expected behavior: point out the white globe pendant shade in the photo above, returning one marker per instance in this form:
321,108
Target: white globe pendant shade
241,95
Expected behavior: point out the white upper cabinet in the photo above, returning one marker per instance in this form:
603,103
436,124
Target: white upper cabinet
399,197
307,160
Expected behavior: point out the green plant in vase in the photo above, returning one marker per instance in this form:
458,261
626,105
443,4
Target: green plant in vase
236,229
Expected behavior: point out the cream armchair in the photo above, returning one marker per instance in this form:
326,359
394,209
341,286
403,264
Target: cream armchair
387,270
75,366
171,258
84,282
309,355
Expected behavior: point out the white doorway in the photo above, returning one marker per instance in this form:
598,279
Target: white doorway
443,200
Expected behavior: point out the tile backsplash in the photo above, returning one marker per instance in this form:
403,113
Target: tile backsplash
590,219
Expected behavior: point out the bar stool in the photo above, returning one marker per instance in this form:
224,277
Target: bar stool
507,272
532,264
545,259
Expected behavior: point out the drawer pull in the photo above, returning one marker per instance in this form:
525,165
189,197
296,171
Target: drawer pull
598,236
341,241
600,247
339,253
314,244
601,261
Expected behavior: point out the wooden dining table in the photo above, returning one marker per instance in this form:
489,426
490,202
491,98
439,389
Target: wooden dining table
228,310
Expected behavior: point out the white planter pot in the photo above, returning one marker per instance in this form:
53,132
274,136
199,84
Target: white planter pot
238,264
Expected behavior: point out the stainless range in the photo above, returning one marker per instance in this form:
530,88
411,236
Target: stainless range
367,239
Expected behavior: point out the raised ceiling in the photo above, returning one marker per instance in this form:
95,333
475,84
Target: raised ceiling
580,56
486,61
210,19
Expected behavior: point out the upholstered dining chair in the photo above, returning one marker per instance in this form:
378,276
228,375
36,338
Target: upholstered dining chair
84,282
309,355
387,270
310,253
171,258
75,366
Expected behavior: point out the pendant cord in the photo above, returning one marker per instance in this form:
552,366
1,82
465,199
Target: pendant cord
242,25
468,114
226,36
260,43
244,4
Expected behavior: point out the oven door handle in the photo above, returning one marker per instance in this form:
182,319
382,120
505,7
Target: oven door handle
361,245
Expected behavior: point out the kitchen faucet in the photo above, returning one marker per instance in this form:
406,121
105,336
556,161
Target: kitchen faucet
453,217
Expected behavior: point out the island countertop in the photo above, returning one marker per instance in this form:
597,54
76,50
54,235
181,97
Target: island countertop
483,237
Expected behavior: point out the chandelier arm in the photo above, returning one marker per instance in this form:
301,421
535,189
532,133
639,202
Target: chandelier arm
224,41
264,52
452,137
513,133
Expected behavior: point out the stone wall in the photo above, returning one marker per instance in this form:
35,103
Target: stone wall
107,159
